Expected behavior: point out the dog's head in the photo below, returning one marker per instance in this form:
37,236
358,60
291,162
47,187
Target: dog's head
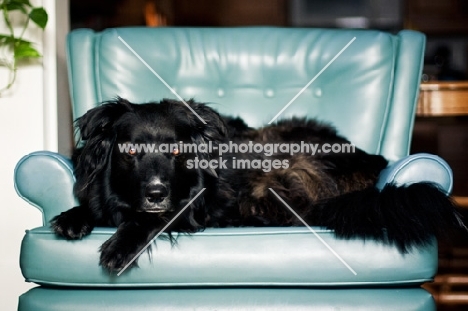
132,151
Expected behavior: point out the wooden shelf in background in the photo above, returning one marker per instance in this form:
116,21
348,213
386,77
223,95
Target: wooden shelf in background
445,289
461,201
443,99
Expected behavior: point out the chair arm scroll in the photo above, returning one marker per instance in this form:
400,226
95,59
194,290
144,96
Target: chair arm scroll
45,180
421,167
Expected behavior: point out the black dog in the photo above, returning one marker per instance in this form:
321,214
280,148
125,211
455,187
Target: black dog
139,191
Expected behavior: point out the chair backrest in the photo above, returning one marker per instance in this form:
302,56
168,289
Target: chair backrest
364,82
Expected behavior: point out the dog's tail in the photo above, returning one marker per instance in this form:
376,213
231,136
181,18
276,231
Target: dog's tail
404,216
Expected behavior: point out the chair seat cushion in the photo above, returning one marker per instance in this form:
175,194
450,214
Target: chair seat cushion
294,299
229,257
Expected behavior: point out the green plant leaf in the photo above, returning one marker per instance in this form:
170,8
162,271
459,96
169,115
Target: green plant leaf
17,2
26,2
39,17
12,6
25,50
8,39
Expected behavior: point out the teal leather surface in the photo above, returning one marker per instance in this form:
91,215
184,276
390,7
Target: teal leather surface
229,257
369,92
45,180
43,299
416,168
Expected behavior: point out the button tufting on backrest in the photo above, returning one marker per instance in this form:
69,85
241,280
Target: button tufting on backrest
269,93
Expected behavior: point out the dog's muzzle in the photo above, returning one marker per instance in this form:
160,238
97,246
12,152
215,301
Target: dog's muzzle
156,194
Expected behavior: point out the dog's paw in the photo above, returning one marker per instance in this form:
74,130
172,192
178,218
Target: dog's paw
116,254
72,224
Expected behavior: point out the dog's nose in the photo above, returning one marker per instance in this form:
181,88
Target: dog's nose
155,193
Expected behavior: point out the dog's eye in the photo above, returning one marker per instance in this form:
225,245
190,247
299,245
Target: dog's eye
132,151
175,151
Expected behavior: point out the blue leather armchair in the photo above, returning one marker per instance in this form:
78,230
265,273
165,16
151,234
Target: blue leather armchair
369,92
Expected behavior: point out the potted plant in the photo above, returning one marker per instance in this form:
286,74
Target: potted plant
14,47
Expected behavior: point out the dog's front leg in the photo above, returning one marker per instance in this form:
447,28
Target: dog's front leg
74,223
129,239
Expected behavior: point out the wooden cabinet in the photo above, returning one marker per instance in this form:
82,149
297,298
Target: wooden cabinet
442,128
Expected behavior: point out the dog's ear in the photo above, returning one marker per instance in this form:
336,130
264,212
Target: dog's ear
100,119
98,137
207,125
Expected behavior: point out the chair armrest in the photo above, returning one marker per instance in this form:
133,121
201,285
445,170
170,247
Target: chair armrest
45,180
421,167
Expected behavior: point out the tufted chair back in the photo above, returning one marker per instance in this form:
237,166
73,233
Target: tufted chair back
363,82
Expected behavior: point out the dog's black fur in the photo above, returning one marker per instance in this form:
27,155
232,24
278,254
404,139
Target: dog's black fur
139,193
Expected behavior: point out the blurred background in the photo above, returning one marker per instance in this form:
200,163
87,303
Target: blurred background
441,124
